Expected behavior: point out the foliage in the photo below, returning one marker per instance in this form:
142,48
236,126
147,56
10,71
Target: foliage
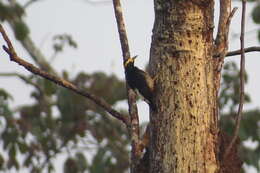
229,94
21,30
8,12
61,40
228,101
256,14
61,121
13,12
256,17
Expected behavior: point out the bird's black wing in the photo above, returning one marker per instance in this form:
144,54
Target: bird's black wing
144,84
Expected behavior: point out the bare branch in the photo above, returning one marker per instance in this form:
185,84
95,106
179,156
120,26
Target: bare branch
238,52
236,35
221,41
242,81
62,82
246,50
134,131
121,29
229,19
225,9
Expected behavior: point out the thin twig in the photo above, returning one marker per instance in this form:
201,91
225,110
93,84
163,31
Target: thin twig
246,50
229,19
224,15
248,32
242,82
134,131
221,43
121,29
222,39
62,82
30,2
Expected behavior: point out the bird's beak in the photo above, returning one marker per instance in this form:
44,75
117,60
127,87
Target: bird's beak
135,57
130,60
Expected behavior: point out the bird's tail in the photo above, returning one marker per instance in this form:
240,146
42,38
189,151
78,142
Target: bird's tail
150,103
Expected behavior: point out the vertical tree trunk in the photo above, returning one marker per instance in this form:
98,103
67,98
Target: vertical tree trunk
184,130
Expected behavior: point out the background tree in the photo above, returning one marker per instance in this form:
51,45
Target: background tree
256,16
61,121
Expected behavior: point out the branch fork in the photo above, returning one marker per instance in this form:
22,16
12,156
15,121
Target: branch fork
9,49
132,121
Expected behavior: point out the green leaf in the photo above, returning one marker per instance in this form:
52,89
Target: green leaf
28,161
50,168
1,162
49,87
82,162
21,30
258,35
5,95
62,40
70,165
22,147
5,12
12,151
256,14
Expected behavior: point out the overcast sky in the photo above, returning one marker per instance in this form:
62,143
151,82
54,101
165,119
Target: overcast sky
93,27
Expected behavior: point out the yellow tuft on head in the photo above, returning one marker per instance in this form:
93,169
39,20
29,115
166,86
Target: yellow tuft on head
130,60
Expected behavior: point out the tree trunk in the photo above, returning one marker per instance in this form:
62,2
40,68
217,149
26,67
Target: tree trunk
184,129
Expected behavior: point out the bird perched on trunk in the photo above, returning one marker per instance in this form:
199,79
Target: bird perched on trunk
139,80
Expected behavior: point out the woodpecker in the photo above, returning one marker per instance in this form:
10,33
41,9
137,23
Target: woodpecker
139,80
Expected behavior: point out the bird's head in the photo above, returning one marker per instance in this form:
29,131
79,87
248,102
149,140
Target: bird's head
130,61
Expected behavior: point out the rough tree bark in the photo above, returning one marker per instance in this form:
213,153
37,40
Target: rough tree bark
184,131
